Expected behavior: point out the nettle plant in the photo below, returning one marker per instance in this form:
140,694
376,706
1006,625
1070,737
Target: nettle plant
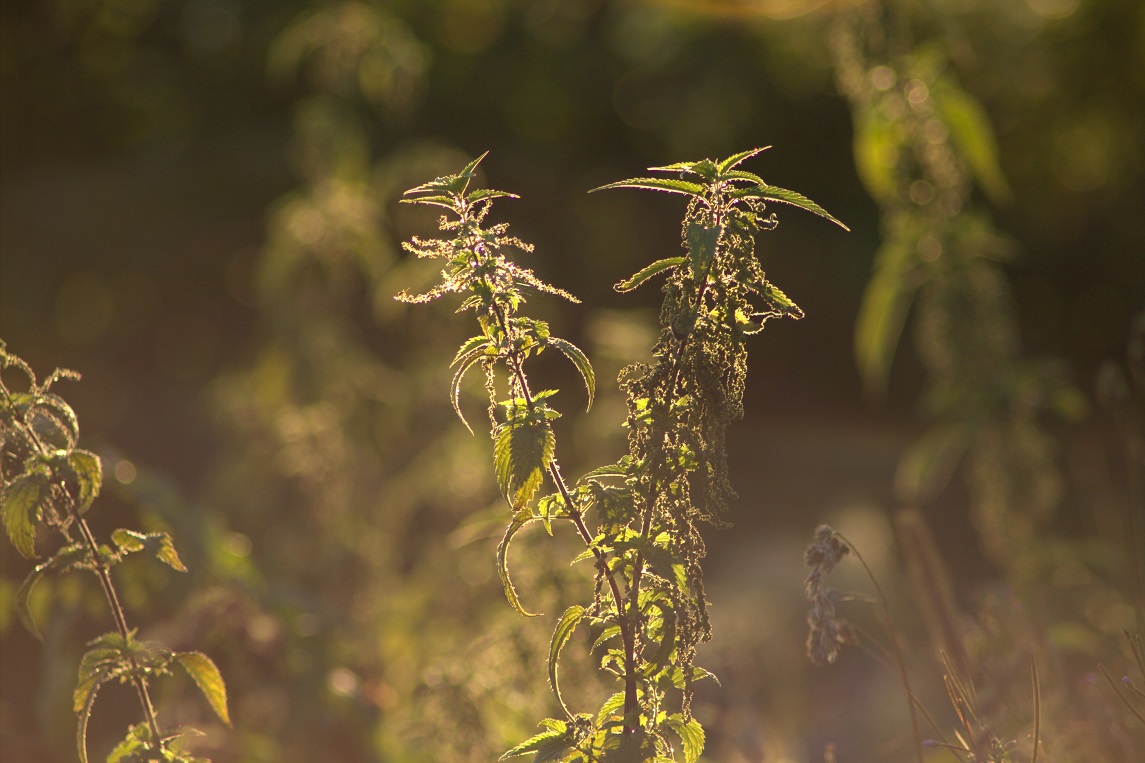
648,611
50,483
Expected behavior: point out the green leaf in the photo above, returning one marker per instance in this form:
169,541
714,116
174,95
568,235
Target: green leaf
610,706
158,543
655,268
522,518
523,451
20,507
657,184
138,738
726,164
780,301
88,472
63,559
876,146
549,745
564,630
610,632
578,358
883,311
206,674
702,243
466,362
691,734
784,196
928,464
488,193
971,131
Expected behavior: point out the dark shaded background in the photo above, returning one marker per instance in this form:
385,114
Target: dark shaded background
145,152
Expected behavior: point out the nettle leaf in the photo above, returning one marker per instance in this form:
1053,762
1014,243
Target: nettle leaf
158,543
702,242
580,360
972,132
563,632
108,657
88,471
691,735
523,452
780,302
726,164
658,184
876,147
782,195
488,193
62,561
206,675
609,709
883,312
138,738
655,268
549,745
522,518
20,506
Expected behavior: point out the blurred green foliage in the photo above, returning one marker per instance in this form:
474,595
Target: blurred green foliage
198,210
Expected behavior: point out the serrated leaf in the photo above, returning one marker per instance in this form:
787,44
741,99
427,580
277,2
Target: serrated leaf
488,193
784,196
580,360
466,363
206,675
655,268
159,543
448,202
610,632
88,472
610,706
522,518
702,243
691,735
84,713
137,738
561,634
20,507
726,164
65,556
928,464
523,451
548,745
657,184
781,301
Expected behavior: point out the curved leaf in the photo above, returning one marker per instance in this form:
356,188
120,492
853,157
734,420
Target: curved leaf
206,675
88,472
564,630
784,196
703,240
657,184
158,543
59,561
726,164
455,386
656,267
971,131
883,312
549,745
876,147
20,508
580,360
521,519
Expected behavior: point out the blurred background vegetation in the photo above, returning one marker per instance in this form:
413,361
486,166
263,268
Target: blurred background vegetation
198,212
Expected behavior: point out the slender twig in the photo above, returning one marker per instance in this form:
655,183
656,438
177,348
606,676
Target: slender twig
1037,688
1120,696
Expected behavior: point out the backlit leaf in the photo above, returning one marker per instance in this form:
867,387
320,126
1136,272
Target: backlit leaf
971,131
691,734
137,739
784,196
523,451
702,243
158,543
206,675
780,301
62,560
548,745
876,147
578,358
726,164
670,185
522,518
883,311
564,630
655,268
88,472
20,507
